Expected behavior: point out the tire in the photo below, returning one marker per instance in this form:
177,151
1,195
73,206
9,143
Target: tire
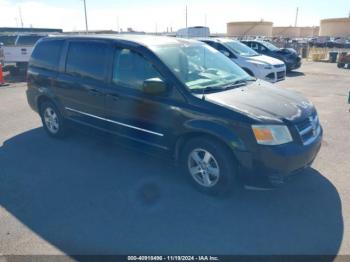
52,120
341,65
214,177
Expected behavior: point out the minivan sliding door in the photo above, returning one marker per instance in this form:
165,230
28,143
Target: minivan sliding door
82,86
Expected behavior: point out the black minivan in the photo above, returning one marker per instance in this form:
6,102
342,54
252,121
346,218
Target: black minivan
181,97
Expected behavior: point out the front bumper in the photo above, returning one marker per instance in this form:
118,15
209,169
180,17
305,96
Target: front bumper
272,166
294,64
273,75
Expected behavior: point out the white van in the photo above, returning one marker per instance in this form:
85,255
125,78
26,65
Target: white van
195,31
260,66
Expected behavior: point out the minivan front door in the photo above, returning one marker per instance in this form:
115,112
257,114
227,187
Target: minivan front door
81,88
150,119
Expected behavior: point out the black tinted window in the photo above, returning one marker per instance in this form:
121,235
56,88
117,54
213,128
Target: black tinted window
8,39
212,44
87,59
47,54
131,69
28,39
248,44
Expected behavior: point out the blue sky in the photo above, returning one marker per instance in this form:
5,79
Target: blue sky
151,15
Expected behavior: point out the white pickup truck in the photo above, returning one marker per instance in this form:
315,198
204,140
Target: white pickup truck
17,56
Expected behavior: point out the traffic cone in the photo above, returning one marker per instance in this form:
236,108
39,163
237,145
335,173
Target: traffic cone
2,81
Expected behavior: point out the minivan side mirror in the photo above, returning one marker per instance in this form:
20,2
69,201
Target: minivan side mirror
154,86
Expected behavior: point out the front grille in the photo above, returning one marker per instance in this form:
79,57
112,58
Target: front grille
279,66
281,75
309,129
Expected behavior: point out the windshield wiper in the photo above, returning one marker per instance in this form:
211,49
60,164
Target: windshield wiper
224,87
239,83
208,89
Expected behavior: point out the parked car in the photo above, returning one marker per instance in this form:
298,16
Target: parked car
288,55
194,31
259,66
18,54
344,60
180,97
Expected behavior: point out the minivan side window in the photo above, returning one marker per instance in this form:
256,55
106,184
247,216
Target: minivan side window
130,69
47,54
87,59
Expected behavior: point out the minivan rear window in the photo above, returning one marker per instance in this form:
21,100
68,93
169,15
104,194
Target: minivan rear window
47,54
87,59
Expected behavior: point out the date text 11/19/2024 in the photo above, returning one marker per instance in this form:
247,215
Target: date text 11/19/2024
173,258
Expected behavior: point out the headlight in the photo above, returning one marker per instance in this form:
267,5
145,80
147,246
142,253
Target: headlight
272,134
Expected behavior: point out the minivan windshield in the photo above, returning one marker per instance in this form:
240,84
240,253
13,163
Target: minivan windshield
240,49
201,67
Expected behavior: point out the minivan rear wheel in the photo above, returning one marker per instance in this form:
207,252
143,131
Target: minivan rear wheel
210,166
52,120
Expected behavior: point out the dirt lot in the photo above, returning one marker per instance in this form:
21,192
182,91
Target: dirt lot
85,195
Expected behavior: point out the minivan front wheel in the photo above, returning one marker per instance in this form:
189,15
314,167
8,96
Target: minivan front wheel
52,120
210,166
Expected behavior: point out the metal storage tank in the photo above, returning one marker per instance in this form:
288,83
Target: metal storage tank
335,27
309,31
295,32
286,31
249,28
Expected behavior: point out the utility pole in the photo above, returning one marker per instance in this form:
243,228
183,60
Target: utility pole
296,17
186,16
86,22
20,16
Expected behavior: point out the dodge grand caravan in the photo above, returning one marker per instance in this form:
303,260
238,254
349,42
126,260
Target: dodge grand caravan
178,96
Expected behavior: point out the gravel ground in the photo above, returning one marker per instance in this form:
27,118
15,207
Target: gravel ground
85,195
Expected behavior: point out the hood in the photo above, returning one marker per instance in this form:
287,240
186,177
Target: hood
264,102
287,51
265,59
